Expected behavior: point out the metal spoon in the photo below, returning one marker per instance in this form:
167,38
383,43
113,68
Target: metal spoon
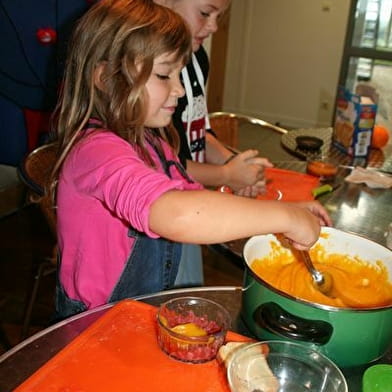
322,281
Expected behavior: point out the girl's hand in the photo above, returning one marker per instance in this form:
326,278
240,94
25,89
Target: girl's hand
252,190
318,210
244,170
305,227
260,161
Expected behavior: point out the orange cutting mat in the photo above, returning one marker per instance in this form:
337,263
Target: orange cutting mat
293,185
120,352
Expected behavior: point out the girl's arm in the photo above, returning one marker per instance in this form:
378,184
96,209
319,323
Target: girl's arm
244,173
216,152
245,169
207,217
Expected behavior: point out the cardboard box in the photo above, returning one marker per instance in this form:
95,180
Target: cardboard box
354,120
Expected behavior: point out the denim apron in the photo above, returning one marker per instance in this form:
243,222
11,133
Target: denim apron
152,265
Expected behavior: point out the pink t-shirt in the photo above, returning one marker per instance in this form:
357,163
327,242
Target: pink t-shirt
104,188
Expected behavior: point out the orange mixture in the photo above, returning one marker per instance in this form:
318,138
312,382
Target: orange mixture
356,283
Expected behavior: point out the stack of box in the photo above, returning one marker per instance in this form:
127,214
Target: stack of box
354,120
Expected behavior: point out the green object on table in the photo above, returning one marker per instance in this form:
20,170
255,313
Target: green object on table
321,190
377,378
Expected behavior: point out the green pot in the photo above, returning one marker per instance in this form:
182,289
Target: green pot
349,337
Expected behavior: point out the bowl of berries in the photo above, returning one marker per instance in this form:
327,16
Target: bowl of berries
192,329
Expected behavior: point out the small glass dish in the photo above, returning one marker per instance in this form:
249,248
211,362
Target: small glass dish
322,167
285,367
192,329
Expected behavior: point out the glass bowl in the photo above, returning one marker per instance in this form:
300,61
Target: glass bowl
292,367
192,329
322,167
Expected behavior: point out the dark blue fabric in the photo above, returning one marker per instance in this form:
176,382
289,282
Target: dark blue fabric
30,72
13,136
65,306
151,267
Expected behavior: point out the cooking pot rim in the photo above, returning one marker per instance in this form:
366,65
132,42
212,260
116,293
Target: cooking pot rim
314,304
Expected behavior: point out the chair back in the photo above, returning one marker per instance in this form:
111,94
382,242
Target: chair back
35,172
226,126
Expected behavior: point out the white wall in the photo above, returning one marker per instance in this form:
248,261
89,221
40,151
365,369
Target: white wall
284,59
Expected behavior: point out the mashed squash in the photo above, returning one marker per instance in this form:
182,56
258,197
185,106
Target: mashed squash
356,283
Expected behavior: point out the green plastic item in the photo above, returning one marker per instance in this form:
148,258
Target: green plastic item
377,378
321,190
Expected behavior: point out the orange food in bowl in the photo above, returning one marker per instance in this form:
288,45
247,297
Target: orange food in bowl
192,329
380,136
321,169
189,330
356,283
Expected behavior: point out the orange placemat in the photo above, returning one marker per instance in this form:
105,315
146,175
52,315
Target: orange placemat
120,352
292,185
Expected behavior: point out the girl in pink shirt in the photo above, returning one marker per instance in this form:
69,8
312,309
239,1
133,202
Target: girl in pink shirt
124,202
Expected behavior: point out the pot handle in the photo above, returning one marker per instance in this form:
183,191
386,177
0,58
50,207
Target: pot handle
275,319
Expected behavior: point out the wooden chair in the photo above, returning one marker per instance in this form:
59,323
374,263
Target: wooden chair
35,172
226,126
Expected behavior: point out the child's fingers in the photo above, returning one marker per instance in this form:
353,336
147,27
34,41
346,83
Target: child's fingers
260,161
247,155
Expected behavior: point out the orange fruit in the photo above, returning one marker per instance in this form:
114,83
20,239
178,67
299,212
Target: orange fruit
380,136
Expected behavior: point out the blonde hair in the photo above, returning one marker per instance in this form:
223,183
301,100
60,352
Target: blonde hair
119,34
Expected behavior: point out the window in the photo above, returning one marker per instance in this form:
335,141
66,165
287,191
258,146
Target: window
367,55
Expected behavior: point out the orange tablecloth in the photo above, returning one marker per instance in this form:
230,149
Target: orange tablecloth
120,352
292,185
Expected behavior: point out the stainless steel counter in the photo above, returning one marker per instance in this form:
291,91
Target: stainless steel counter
24,359
353,207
